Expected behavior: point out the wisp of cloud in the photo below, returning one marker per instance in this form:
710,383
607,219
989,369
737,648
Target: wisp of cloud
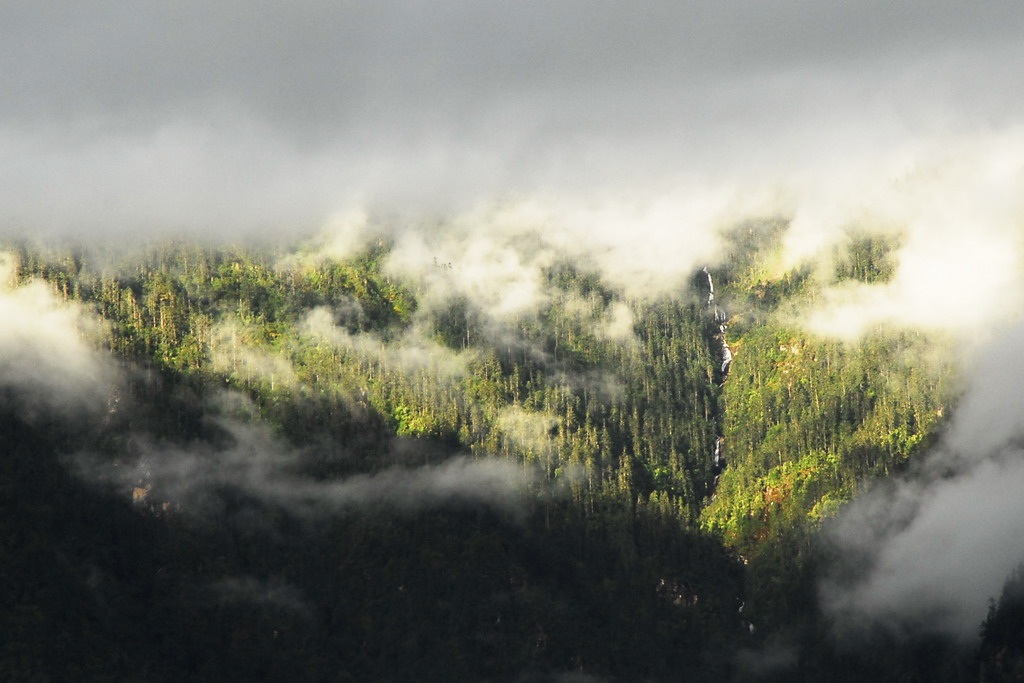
924,554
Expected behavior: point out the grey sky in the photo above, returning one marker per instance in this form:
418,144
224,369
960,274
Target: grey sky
263,116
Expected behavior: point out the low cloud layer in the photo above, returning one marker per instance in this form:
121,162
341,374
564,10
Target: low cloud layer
960,212
255,467
924,554
48,361
412,352
956,207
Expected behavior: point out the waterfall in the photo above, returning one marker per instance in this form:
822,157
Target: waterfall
718,462
720,318
711,287
726,358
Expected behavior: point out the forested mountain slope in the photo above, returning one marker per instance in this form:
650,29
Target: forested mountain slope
313,468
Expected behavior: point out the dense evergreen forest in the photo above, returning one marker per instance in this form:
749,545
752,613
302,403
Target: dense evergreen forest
308,468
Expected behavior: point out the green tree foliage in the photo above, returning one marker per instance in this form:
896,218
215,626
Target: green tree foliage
633,554
866,257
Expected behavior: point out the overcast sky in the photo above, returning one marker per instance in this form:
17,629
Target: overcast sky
139,116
